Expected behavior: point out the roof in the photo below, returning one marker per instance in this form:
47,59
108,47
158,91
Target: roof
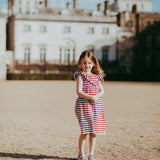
68,15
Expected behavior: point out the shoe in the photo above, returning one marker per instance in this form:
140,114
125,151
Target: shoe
81,157
90,156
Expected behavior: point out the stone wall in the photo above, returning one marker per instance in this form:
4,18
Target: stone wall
2,67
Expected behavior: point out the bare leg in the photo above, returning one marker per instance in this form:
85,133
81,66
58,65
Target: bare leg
82,139
92,142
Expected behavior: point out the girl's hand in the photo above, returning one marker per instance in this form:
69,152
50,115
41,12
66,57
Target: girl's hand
94,99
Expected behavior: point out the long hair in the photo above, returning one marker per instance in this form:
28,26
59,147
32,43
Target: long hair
96,69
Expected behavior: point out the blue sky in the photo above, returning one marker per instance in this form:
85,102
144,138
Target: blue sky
85,4
92,4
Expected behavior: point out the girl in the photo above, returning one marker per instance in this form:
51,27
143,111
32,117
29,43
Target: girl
89,109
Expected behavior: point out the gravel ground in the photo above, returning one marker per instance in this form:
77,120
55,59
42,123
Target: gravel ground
37,121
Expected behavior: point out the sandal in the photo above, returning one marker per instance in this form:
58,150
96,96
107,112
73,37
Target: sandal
90,156
81,156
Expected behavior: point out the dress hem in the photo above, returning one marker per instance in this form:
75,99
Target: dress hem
94,133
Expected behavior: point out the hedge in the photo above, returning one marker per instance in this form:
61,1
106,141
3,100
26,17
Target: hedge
40,76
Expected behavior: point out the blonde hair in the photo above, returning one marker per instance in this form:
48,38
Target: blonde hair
96,69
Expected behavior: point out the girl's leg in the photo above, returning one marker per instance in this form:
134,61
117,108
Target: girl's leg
82,139
92,142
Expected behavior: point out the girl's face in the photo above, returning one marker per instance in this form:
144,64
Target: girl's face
87,64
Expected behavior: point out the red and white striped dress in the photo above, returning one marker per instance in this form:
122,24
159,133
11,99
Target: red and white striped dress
90,116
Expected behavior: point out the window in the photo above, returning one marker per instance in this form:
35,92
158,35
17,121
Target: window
43,28
67,55
27,55
142,6
105,55
67,29
27,28
42,54
105,31
91,30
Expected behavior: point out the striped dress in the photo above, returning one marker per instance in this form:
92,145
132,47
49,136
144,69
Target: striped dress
90,116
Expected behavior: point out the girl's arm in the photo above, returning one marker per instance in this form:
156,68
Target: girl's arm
95,98
101,90
79,87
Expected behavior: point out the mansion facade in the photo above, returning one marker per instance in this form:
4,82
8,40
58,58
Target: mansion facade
41,36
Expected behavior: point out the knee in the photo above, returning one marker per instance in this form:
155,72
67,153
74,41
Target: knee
83,136
92,135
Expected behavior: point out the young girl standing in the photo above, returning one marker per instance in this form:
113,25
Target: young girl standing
89,108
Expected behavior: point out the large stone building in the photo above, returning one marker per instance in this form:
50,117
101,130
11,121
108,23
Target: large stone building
26,6
132,5
42,36
58,36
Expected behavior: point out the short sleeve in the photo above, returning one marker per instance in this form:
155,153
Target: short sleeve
76,74
99,77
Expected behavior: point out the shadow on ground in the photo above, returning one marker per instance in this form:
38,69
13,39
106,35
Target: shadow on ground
27,156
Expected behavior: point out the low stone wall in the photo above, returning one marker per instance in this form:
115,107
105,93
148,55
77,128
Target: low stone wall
2,67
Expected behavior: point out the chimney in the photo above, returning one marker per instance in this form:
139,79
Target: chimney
68,5
99,7
106,8
10,7
75,2
47,3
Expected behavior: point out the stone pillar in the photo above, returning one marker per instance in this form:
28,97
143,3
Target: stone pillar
47,3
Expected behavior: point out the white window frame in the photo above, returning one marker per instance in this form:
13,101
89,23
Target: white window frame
67,29
105,30
43,54
27,28
91,30
66,55
43,28
27,54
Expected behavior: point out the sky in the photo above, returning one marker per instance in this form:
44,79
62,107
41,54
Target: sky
82,4
92,4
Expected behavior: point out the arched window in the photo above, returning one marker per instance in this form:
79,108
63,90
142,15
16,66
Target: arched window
66,55
27,52
42,52
67,51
